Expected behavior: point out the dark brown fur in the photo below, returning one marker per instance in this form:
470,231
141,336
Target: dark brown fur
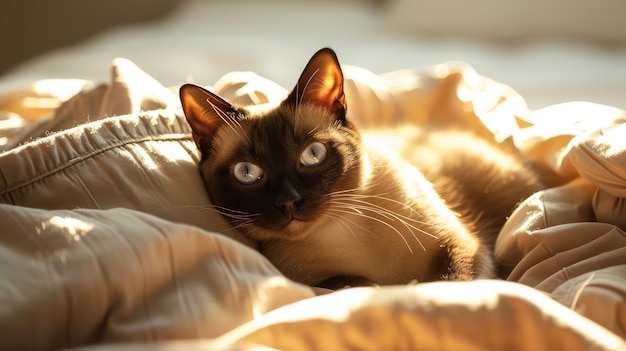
374,210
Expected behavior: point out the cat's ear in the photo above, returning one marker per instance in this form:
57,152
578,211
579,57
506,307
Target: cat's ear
204,111
321,84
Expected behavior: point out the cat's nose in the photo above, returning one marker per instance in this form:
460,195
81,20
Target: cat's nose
288,197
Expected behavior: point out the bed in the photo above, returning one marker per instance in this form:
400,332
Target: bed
106,242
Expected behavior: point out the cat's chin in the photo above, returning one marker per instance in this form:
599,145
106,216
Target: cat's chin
294,230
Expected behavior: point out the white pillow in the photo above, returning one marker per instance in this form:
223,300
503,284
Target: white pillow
144,160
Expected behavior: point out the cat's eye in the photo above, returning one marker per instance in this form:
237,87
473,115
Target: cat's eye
247,173
313,155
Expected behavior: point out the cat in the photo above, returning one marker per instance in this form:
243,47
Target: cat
332,205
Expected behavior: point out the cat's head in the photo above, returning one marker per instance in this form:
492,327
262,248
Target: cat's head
272,173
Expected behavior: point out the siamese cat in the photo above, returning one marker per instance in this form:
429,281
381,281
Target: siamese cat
332,205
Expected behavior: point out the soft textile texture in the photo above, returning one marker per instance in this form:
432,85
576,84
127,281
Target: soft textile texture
107,235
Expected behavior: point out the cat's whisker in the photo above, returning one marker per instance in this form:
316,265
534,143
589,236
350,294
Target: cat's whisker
240,225
243,219
382,212
367,205
203,208
353,197
352,190
361,199
345,219
358,206
350,195
358,210
230,213
233,216
234,211
195,207
386,215
345,211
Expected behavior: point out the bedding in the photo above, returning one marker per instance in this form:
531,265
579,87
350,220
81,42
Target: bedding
108,242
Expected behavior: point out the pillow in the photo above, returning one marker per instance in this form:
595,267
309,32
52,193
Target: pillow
142,160
76,277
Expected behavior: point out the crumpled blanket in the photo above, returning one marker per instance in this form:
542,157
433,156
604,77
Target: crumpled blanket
107,241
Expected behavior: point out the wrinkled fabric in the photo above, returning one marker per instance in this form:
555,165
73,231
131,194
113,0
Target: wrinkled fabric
108,240
84,276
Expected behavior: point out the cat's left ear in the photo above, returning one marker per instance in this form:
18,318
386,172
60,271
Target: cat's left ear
321,84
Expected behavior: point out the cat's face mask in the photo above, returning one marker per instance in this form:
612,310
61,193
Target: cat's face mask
274,174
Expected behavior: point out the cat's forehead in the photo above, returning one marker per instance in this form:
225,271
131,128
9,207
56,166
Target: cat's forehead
274,131
295,121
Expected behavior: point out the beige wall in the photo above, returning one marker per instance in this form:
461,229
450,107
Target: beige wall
600,21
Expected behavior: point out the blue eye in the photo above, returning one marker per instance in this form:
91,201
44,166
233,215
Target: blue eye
247,173
313,155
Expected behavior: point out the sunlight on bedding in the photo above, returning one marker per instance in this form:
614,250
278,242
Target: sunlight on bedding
177,152
73,228
266,294
610,143
159,153
10,125
61,89
41,102
145,158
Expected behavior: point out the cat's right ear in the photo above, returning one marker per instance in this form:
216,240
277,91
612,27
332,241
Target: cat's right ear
204,111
